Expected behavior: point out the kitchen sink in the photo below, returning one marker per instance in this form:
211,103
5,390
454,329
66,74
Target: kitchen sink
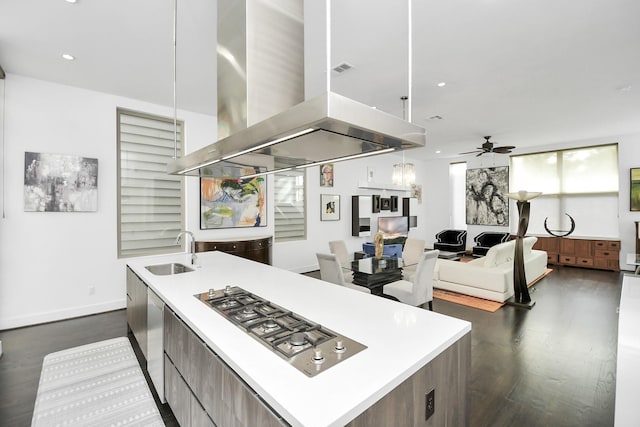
167,269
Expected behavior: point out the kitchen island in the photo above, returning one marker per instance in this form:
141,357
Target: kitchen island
409,351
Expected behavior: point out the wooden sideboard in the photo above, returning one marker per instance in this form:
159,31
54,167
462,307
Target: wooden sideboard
255,248
581,252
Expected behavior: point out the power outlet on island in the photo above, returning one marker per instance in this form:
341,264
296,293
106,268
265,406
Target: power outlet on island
430,404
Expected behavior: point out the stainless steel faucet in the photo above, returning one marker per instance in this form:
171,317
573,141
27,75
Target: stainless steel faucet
194,258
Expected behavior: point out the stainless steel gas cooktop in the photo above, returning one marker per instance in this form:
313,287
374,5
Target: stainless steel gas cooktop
306,345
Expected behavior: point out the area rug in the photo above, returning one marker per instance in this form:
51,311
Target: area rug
479,303
99,384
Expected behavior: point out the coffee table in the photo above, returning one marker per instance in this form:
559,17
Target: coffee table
453,256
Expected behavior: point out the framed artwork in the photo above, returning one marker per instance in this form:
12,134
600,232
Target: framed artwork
329,207
60,183
385,203
326,175
394,203
485,196
375,203
634,189
229,201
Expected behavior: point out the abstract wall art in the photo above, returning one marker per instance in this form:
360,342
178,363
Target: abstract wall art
635,189
329,207
229,201
485,196
60,183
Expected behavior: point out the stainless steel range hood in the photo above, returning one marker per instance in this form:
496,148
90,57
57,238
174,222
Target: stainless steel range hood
260,70
329,128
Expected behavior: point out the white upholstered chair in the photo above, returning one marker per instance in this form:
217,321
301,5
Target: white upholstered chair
411,255
420,290
331,271
339,248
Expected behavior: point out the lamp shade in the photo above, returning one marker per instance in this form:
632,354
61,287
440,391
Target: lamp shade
523,195
404,174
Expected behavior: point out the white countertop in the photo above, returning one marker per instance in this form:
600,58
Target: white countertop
628,366
400,338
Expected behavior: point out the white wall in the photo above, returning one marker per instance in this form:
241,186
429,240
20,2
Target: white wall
49,260
301,256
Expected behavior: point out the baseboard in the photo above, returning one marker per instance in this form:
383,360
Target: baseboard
52,316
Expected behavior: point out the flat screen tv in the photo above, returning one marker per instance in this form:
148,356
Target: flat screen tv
393,227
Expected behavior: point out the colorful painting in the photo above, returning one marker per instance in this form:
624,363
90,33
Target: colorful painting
326,175
229,201
60,183
635,189
485,196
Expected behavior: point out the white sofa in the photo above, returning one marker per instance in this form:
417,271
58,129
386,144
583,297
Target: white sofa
490,277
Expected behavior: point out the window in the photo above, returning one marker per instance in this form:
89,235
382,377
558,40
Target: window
290,206
150,213
457,184
581,183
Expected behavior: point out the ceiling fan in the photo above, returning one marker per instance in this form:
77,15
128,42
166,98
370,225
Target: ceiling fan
487,147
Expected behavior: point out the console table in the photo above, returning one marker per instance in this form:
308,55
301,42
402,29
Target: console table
600,253
253,248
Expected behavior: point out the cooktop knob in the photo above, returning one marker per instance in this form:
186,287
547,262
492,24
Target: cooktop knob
317,356
227,290
211,292
339,347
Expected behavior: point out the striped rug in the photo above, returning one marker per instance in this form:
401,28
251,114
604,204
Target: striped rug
99,384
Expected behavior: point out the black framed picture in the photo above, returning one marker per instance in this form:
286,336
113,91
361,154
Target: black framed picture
385,204
394,203
375,203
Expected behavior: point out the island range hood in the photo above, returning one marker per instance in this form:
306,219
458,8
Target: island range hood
326,128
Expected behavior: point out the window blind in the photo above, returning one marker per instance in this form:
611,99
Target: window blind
150,213
290,206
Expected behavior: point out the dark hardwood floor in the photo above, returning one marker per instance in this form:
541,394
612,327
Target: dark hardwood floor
551,366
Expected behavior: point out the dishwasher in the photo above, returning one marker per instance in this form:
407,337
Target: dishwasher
155,362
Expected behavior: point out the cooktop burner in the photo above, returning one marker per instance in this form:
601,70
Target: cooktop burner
308,346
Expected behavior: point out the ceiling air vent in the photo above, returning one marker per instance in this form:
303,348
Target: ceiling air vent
341,68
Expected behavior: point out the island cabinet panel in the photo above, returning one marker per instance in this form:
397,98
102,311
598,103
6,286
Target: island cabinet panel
258,249
218,394
177,394
137,309
448,375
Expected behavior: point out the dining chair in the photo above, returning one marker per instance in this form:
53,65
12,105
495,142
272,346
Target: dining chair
331,271
420,290
339,248
411,255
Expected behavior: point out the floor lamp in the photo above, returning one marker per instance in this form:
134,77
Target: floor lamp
521,296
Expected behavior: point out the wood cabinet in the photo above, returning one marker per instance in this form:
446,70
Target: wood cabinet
255,249
202,389
589,253
137,309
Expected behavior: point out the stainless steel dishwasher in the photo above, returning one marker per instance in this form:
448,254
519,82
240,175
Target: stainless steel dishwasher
155,361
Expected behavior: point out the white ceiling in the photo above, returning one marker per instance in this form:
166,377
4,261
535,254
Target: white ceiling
527,72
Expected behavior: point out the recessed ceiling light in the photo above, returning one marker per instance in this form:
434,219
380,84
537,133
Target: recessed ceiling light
442,84
68,57
71,1
438,151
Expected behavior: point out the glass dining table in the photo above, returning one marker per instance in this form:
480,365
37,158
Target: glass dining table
374,273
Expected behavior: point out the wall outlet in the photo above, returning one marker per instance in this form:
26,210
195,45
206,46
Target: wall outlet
430,404
92,289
